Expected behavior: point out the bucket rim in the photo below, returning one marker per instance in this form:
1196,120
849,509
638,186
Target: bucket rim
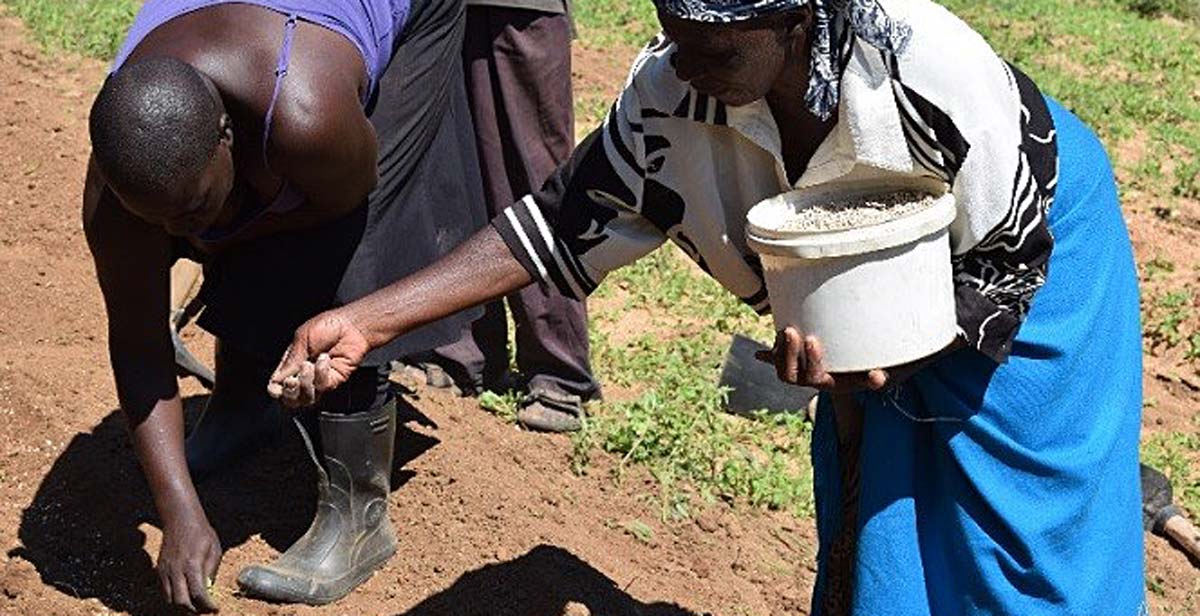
907,229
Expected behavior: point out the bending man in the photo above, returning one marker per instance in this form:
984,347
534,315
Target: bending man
297,149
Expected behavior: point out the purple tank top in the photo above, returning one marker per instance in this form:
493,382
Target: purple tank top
372,25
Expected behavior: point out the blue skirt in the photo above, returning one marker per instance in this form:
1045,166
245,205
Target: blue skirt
1010,489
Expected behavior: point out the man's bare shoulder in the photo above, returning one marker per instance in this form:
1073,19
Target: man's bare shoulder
115,235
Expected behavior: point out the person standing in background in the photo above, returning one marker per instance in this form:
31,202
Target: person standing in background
517,56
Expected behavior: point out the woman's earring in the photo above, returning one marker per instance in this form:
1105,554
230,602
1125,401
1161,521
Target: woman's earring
226,129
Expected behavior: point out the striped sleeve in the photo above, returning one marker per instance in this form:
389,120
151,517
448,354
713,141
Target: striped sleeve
586,220
982,126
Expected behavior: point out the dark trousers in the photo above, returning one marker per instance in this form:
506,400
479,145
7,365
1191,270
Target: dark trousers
518,74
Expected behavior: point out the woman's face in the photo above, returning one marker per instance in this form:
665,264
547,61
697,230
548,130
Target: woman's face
735,63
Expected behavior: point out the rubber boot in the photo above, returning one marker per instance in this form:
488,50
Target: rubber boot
351,536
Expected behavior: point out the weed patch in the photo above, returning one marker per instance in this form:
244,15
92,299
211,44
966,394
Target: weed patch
676,427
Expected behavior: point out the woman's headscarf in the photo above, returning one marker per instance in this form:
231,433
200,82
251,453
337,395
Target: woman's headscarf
865,19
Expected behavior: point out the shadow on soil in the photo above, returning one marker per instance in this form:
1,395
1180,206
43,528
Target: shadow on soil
83,531
542,582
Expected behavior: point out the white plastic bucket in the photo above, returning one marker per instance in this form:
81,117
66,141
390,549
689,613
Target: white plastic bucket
875,296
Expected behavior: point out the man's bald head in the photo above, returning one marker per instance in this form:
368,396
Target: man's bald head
154,127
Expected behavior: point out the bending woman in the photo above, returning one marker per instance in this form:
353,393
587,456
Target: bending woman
998,477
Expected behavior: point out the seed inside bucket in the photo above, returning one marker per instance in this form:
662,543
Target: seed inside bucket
858,212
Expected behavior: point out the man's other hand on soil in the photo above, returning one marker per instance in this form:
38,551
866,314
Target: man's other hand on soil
187,562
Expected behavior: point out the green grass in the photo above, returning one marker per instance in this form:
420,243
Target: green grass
674,425
621,23
1121,72
92,28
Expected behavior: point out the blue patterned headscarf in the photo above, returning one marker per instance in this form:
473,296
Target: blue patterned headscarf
831,18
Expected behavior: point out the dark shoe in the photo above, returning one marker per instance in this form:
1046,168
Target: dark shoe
351,536
433,376
437,378
239,419
551,411
226,435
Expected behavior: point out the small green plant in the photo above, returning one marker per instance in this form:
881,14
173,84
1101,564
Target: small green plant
639,530
1156,268
1167,317
1187,180
1154,585
1193,347
504,405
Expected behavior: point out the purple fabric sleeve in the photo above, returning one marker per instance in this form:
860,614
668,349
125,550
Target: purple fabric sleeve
372,25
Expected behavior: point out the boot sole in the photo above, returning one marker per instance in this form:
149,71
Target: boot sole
354,581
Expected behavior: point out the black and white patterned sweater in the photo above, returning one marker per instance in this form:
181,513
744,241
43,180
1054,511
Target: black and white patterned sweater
672,164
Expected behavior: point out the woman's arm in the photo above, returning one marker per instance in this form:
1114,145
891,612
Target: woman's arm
479,270
584,222
538,238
